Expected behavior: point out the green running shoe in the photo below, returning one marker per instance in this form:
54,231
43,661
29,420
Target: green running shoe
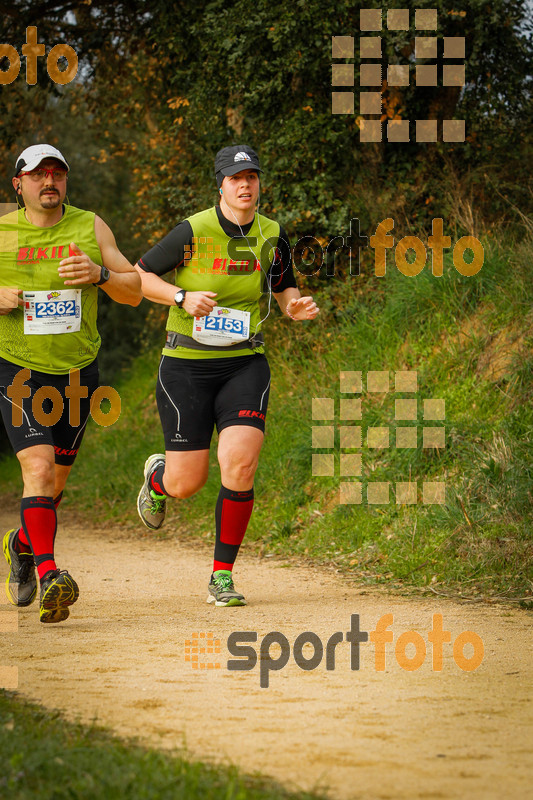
21,583
222,591
150,505
59,590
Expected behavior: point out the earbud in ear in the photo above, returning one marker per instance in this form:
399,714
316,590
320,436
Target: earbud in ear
221,192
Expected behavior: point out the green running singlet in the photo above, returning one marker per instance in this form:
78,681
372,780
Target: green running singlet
238,284
29,258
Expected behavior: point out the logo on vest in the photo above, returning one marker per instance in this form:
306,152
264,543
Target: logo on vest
204,256
225,266
32,255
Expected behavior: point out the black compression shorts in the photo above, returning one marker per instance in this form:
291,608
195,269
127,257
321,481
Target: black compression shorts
195,395
64,437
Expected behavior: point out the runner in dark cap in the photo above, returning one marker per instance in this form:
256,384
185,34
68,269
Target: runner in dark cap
213,370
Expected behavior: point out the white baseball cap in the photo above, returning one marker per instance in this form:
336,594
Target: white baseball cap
31,157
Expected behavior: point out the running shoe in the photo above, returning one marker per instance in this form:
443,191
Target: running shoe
222,591
59,590
21,583
150,505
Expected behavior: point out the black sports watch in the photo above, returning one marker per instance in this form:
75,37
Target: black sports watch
104,276
179,298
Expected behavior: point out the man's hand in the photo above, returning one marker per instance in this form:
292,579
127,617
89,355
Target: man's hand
9,299
78,267
302,308
199,304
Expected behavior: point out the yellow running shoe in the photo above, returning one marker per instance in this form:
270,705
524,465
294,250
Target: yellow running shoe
21,583
59,590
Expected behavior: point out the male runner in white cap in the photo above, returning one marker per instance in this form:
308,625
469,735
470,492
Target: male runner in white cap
52,259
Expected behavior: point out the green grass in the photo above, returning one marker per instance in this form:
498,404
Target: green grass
470,340
46,757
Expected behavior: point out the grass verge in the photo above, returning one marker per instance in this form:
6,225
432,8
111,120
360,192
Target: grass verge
44,756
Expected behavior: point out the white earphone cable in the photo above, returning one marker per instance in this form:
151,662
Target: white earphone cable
268,277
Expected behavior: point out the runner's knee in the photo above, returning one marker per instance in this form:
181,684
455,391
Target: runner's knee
183,486
38,472
238,465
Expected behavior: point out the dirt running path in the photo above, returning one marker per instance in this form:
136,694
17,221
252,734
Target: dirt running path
120,659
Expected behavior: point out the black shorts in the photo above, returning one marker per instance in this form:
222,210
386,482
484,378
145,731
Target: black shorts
195,395
64,437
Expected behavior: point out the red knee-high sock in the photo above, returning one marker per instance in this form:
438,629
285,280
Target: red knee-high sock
232,515
21,542
39,523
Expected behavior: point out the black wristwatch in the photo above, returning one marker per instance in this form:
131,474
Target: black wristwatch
179,298
104,276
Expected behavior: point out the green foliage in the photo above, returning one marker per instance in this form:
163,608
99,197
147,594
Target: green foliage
262,74
276,93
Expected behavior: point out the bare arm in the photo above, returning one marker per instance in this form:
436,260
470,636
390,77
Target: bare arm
123,286
154,288
293,305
